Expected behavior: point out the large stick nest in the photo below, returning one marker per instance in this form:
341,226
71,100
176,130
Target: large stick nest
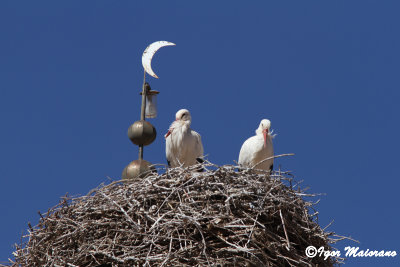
221,216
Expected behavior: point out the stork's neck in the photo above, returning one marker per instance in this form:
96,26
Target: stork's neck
181,125
259,131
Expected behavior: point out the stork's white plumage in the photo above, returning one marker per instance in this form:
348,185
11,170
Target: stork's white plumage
257,148
183,146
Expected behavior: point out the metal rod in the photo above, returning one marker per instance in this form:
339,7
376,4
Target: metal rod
143,110
141,152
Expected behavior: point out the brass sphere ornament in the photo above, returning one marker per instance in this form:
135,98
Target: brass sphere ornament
139,168
142,133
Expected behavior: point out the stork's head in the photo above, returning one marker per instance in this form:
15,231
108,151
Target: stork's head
183,115
182,118
263,129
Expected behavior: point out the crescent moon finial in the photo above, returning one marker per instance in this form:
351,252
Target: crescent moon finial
149,53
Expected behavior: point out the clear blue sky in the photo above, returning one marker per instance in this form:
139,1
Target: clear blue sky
326,73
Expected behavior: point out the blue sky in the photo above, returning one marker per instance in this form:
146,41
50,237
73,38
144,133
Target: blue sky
326,73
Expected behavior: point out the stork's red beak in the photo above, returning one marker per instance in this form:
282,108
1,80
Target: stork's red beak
265,133
168,133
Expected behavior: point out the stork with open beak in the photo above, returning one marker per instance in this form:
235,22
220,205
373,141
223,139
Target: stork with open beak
183,146
258,148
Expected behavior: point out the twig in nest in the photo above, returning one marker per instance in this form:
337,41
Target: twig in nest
273,157
284,228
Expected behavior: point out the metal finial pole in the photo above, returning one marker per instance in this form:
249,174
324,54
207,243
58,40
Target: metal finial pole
142,132
143,110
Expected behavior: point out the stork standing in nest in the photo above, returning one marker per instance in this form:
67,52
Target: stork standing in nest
257,148
183,146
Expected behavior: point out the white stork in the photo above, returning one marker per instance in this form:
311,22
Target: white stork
257,148
183,146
